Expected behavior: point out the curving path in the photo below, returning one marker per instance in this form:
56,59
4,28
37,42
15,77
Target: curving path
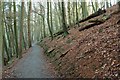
33,65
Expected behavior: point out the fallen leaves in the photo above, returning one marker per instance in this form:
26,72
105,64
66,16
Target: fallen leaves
94,52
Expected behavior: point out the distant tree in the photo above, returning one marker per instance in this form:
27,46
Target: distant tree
57,18
69,13
60,13
96,5
44,33
51,17
93,6
107,4
84,9
48,21
63,19
76,11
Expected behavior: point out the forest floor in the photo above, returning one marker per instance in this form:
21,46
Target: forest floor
90,53
33,65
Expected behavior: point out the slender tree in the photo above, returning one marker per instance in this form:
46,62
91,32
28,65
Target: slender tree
107,4
9,23
21,29
63,19
58,14
56,18
96,5
1,35
43,18
76,11
44,33
73,12
69,13
15,30
29,37
51,17
49,21
93,6
84,9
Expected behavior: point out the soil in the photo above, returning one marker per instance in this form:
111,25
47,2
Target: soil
91,53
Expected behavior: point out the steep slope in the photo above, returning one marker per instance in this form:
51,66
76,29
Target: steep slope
91,53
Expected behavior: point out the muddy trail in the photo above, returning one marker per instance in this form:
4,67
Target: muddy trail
32,65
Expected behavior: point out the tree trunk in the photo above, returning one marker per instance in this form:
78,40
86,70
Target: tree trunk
15,30
44,33
76,11
29,34
93,7
48,21
51,17
11,41
63,20
58,14
69,13
21,29
1,36
73,13
84,9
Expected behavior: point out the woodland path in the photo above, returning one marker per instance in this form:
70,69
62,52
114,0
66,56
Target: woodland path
33,65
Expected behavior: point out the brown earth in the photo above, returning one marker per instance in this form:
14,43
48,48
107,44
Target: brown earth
92,53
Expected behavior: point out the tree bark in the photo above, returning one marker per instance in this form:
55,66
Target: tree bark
21,29
49,21
15,29
69,13
29,33
51,17
63,19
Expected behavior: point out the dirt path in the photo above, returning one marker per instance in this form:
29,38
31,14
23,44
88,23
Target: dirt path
33,65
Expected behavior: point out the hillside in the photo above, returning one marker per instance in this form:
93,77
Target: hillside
90,53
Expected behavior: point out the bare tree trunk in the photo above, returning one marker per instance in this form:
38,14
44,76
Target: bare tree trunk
76,11
21,29
63,20
84,9
51,17
48,21
1,35
15,29
69,13
44,33
29,34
